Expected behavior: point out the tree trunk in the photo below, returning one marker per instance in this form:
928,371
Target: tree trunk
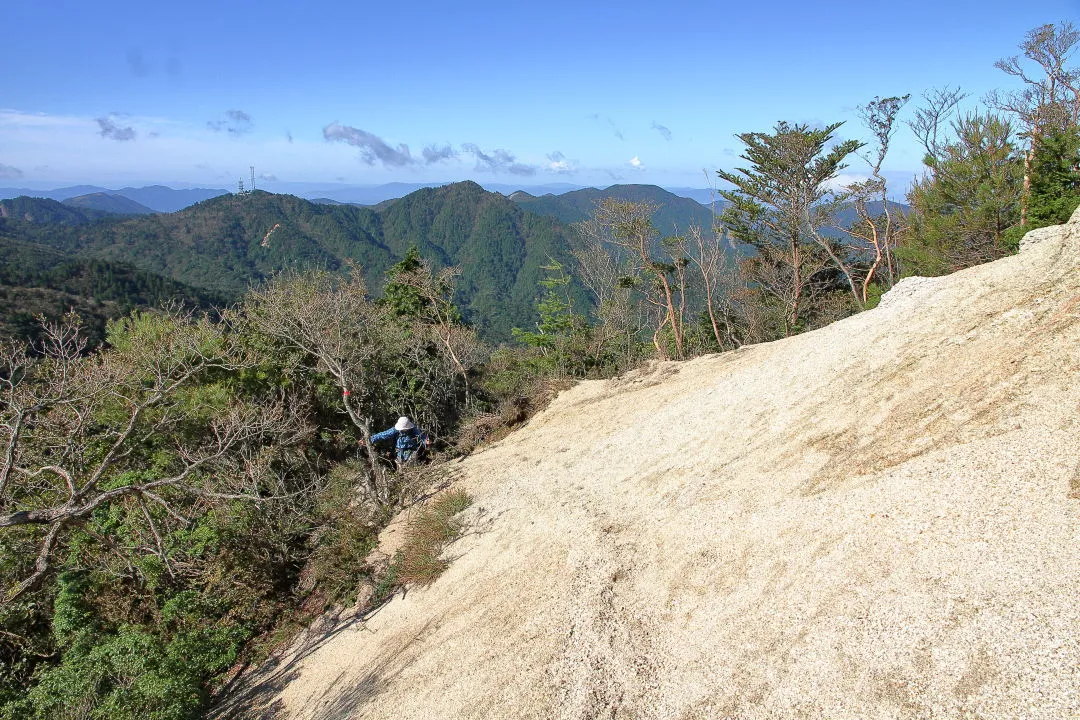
1025,196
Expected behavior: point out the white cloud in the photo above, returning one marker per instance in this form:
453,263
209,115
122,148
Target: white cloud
15,120
372,147
559,164
111,130
497,160
636,163
844,179
234,122
69,149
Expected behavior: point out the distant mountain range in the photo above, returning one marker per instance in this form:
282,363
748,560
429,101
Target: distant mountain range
43,211
154,198
373,195
160,198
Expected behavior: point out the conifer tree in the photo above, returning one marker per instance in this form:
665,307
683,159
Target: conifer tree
1055,181
1048,100
776,208
962,208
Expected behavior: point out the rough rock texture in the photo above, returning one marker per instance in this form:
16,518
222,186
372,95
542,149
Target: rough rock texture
877,519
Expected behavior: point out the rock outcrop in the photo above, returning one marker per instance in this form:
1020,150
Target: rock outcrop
879,519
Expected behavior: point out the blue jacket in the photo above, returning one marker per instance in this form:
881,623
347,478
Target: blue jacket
406,441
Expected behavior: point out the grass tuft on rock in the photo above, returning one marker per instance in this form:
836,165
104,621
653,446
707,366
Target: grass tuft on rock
420,561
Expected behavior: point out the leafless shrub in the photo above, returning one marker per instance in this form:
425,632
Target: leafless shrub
127,427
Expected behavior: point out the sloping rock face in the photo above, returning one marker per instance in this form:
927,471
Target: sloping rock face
879,519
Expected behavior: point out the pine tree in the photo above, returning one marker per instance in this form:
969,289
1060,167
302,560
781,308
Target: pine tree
967,201
1055,181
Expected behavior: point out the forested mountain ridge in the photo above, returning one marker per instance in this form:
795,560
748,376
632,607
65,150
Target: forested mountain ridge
674,215
45,211
36,280
109,203
499,248
227,244
158,198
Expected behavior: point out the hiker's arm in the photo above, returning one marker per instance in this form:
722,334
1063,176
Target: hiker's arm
384,435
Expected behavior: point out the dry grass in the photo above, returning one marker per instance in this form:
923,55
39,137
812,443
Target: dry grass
511,414
420,560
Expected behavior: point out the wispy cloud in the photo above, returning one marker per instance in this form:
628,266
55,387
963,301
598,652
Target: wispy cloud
268,177
662,130
372,147
110,130
289,137
498,160
559,164
434,153
606,120
17,120
636,163
234,122
7,172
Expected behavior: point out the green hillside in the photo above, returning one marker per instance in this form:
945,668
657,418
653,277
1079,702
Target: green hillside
37,280
499,248
227,244
42,211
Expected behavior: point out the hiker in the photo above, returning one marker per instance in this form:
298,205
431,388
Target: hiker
408,439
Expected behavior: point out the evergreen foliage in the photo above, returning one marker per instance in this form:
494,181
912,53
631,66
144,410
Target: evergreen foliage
967,201
1055,182
561,336
777,208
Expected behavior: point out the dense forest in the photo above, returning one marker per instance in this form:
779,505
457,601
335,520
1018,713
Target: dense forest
227,244
175,503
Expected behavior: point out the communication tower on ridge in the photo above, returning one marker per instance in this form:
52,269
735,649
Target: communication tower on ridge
250,188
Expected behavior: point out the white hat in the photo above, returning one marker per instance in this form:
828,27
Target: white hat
403,423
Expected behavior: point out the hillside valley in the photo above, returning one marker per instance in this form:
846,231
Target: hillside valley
874,519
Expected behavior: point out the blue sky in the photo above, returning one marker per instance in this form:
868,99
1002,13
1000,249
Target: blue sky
590,93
